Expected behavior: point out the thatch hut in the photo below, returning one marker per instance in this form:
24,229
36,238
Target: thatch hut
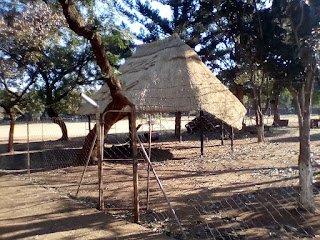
169,76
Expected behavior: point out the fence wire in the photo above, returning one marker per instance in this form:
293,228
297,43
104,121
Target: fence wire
249,192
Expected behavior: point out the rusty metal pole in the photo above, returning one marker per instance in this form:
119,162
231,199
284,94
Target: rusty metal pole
148,170
135,164
99,149
28,149
100,170
162,189
232,139
201,133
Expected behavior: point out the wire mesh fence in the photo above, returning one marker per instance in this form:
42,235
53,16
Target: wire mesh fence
248,192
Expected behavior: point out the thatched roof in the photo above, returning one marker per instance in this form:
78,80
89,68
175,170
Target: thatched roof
169,76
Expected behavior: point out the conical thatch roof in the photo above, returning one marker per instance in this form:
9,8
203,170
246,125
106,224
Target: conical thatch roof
169,76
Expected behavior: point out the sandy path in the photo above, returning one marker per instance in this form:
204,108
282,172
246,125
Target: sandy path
28,211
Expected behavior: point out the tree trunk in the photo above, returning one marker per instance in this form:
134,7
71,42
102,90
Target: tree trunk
89,31
177,129
239,92
276,113
257,92
58,120
11,132
267,109
260,127
259,115
303,99
109,120
306,199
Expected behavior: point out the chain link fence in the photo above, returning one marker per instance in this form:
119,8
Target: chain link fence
249,191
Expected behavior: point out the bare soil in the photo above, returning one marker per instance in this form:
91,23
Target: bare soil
248,193
29,211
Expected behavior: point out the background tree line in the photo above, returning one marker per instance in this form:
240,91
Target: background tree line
44,66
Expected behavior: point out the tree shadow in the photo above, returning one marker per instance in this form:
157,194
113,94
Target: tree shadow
259,214
313,137
63,219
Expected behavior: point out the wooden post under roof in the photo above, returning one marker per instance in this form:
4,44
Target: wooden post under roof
201,132
177,129
232,139
222,133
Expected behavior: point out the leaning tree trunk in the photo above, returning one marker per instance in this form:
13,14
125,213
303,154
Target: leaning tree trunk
109,120
89,31
58,120
11,132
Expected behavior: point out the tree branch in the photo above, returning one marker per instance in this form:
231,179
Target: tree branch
297,28
77,24
295,95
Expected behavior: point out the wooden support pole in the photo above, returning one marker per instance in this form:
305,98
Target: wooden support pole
232,138
222,133
28,149
102,137
201,132
177,129
89,122
132,122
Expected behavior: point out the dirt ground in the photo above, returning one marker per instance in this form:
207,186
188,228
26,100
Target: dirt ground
248,193
29,211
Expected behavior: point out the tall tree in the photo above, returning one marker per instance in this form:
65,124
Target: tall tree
90,32
247,27
62,69
196,22
282,42
25,28
303,34
65,67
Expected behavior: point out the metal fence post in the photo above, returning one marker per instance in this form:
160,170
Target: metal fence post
28,149
132,120
99,149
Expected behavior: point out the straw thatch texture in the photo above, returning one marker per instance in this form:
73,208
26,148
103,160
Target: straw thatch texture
169,76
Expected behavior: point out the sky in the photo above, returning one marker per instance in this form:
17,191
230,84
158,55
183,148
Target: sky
164,11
